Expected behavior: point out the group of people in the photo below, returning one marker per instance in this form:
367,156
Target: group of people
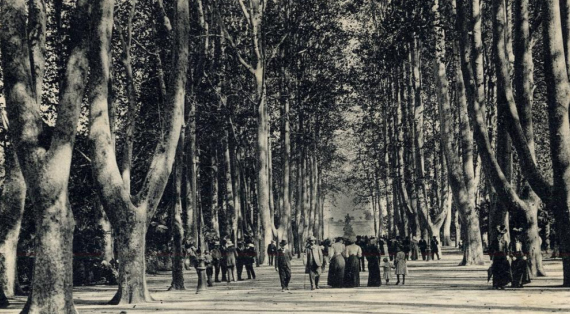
224,258
510,264
414,248
346,258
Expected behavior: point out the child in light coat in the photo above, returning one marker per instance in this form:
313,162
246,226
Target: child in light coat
386,269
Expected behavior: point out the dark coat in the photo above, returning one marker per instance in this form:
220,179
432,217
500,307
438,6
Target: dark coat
284,258
271,249
249,255
423,245
434,245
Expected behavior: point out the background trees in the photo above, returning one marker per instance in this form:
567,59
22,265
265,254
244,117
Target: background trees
433,112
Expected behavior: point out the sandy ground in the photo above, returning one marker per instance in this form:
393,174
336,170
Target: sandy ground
431,287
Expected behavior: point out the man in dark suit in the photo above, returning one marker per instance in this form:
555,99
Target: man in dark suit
283,265
313,262
434,248
240,262
271,251
216,253
423,247
249,259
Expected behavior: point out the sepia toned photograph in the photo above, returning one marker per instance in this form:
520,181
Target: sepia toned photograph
284,156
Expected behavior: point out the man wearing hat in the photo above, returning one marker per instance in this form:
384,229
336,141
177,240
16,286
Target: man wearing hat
249,259
216,260
271,251
283,265
313,262
240,262
229,260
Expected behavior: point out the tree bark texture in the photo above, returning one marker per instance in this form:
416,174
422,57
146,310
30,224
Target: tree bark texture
130,215
45,166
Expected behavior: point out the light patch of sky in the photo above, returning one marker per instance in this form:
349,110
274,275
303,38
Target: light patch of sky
341,203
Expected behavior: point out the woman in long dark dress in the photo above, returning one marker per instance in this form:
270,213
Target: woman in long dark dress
353,253
373,258
501,268
337,264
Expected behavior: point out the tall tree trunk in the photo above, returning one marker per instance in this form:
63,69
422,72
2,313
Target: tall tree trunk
314,195
131,215
176,226
447,228
473,253
214,202
558,102
191,174
108,251
45,170
524,82
231,216
12,203
284,232
236,186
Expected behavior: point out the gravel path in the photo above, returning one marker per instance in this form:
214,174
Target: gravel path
431,287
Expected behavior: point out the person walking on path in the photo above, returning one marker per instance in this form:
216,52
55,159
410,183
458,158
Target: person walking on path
423,247
283,264
434,248
229,260
351,273
216,260
240,261
209,267
362,242
401,266
337,264
373,257
415,249
387,270
499,251
271,251
249,259
313,262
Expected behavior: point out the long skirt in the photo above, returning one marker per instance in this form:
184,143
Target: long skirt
336,272
351,273
374,272
521,273
501,272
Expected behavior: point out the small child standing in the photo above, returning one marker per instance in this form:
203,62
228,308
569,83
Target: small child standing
387,269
